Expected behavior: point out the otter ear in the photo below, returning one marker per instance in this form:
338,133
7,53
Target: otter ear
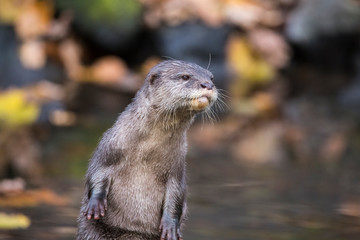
152,77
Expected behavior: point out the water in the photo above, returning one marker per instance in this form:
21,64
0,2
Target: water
228,200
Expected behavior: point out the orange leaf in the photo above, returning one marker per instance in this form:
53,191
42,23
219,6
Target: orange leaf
34,20
33,198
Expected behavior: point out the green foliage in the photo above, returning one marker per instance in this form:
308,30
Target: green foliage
109,12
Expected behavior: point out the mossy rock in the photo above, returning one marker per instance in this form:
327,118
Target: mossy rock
110,23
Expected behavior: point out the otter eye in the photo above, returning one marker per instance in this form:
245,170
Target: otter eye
212,78
185,77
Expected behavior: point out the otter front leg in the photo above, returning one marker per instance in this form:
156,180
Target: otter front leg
173,211
97,200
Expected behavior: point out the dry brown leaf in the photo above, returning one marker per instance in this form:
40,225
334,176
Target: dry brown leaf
32,54
211,136
207,10
243,13
351,208
45,91
272,18
175,12
62,118
60,27
12,185
334,147
271,45
108,70
71,53
263,102
269,137
34,20
148,64
33,198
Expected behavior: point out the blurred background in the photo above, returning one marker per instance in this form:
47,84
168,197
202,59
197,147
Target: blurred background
280,161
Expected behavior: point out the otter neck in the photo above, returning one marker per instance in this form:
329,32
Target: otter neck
178,120
157,118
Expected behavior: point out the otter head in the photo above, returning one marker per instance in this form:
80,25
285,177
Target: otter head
181,86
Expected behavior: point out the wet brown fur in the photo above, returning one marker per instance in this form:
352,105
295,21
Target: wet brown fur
138,167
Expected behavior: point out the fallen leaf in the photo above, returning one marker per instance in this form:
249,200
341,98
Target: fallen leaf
16,110
207,10
260,103
33,198
211,136
246,62
148,64
271,45
60,27
44,91
10,9
62,118
34,19
263,102
269,137
14,221
243,13
175,12
12,185
351,208
334,147
248,67
108,70
32,54
71,53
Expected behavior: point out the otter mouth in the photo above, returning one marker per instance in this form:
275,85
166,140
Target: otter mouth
201,102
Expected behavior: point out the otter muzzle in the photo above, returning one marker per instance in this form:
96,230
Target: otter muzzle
200,103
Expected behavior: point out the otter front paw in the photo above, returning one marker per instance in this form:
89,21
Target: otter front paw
95,208
170,229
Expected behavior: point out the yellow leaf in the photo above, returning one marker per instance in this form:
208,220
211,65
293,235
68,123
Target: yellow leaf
34,20
14,221
247,63
11,9
15,110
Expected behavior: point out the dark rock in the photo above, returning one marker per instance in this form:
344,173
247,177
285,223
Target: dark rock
13,73
315,18
194,42
112,24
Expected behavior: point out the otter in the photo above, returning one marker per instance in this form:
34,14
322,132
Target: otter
135,186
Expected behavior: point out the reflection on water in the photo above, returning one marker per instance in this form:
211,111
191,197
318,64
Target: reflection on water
227,200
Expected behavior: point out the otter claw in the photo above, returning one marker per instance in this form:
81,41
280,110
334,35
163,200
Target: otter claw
96,208
170,230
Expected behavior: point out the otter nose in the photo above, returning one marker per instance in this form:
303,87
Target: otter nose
207,85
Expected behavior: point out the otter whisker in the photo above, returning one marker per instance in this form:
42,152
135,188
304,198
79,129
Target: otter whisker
207,68
213,116
220,106
209,117
223,92
167,57
158,114
221,102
